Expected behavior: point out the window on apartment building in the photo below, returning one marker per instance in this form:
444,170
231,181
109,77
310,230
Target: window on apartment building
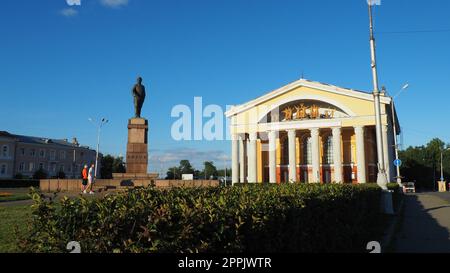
53,167
42,153
62,168
41,166
62,154
22,151
5,151
33,152
69,168
3,169
52,155
22,166
31,167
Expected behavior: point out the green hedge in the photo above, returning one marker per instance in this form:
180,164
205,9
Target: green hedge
287,218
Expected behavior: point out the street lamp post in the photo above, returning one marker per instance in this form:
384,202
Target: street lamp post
381,176
394,126
99,127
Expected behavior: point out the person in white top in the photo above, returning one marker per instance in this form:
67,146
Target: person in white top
91,177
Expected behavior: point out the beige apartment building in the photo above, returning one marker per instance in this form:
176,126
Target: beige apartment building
25,155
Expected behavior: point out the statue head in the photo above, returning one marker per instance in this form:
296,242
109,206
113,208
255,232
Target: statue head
139,80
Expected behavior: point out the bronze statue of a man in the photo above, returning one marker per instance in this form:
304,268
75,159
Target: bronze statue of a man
138,93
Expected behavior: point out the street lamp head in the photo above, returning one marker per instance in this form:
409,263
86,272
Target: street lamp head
406,86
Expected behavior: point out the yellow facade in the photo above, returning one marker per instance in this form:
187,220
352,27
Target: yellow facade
349,110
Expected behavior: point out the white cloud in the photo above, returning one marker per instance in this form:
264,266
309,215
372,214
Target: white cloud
69,12
114,3
73,2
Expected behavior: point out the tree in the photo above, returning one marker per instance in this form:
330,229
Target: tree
186,167
61,175
173,173
40,174
107,165
209,170
221,172
119,165
110,165
421,164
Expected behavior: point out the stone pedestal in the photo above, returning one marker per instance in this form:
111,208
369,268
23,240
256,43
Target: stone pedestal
137,147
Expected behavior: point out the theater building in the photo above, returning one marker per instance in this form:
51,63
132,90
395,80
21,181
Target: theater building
310,132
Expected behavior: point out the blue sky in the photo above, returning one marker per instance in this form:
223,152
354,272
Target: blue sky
58,67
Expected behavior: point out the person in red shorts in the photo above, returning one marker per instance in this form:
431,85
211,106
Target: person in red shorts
84,175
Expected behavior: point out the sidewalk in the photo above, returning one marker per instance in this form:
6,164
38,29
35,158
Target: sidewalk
58,196
425,227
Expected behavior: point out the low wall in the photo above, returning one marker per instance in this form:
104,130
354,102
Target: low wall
18,183
186,183
72,185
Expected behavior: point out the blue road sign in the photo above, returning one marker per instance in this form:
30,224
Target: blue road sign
397,163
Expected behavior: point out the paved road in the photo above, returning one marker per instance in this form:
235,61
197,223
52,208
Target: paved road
442,195
425,225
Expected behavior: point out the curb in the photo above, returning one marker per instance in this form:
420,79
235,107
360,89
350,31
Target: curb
391,230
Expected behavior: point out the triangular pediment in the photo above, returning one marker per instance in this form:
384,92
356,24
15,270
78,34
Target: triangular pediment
342,98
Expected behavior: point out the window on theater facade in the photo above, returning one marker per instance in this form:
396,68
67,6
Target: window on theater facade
33,152
42,153
328,150
22,151
62,154
31,167
52,155
3,169
306,148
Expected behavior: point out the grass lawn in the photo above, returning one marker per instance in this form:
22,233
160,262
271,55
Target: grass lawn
14,197
11,217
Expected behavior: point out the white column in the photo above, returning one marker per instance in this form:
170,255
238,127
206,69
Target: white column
315,155
360,154
241,159
251,155
234,159
272,157
387,160
337,155
292,163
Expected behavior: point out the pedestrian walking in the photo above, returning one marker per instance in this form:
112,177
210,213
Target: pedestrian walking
84,176
91,178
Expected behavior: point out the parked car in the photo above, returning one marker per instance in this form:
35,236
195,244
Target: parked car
409,187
